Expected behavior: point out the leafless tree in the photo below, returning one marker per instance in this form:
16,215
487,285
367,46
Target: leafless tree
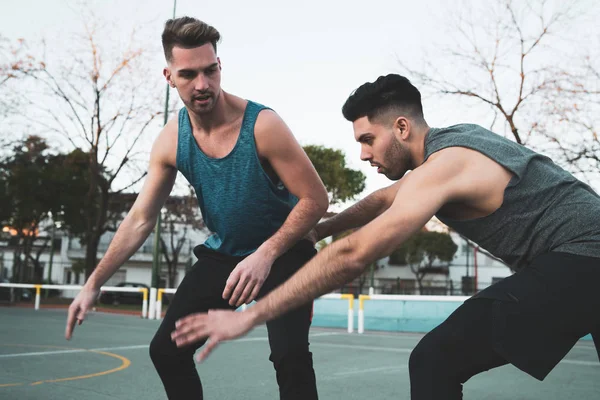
15,61
101,99
517,59
572,120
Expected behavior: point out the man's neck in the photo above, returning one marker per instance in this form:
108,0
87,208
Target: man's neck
418,155
214,119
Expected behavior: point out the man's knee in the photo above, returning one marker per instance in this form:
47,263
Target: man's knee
433,353
292,360
158,350
164,352
420,357
295,374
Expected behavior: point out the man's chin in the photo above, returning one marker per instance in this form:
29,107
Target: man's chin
203,109
391,177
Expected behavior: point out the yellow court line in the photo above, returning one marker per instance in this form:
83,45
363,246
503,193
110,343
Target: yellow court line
126,363
10,384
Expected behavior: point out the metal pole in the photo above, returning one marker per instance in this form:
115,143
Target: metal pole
156,245
51,258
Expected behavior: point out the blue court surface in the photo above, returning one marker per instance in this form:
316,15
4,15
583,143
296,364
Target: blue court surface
108,359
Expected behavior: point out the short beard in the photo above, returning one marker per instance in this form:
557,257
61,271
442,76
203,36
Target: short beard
398,158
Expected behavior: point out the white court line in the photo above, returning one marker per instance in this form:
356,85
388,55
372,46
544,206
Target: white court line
380,370
40,353
580,362
260,339
141,346
368,348
584,344
367,370
255,339
401,350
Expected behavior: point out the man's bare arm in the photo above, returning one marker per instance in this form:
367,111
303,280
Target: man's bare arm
443,178
360,213
423,192
141,219
419,197
276,143
136,226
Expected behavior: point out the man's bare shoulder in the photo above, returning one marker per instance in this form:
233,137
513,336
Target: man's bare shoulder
470,175
269,121
164,149
272,134
462,157
454,154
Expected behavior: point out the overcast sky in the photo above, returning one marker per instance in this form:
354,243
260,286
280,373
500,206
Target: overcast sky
301,58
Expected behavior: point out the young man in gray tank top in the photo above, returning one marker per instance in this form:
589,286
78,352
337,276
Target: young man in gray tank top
259,195
515,203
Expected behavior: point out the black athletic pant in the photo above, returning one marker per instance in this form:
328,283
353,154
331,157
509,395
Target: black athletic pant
531,319
201,290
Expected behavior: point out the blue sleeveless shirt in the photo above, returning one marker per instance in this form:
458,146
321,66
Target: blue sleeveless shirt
240,204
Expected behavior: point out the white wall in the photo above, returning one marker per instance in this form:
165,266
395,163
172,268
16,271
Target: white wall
488,269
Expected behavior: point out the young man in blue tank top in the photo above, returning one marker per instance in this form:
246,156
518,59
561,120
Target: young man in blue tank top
260,196
514,202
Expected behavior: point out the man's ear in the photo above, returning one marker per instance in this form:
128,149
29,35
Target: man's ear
167,74
402,128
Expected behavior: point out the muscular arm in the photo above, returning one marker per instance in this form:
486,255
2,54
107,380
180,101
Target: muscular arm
360,213
136,226
277,145
421,194
140,220
450,175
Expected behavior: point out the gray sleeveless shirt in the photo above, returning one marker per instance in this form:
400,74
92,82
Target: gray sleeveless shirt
545,208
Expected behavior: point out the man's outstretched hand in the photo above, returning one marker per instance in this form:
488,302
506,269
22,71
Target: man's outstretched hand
216,326
79,307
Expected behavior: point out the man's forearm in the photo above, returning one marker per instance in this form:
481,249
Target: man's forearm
299,222
355,216
129,237
328,270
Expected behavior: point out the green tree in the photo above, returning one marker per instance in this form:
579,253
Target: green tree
28,196
71,177
34,184
422,250
341,182
5,198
